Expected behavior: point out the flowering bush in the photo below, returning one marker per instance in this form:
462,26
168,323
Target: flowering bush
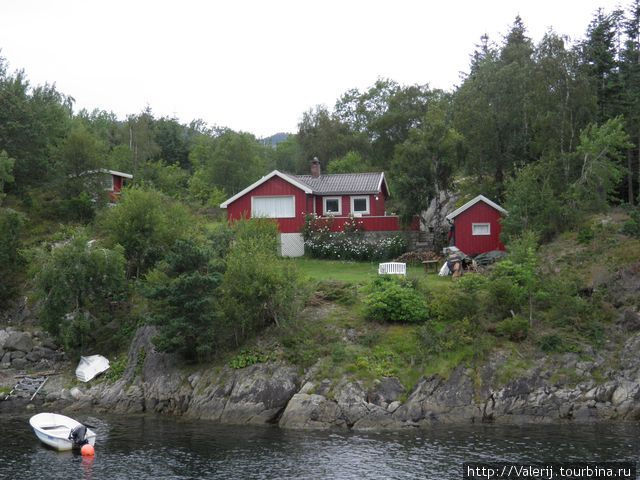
350,244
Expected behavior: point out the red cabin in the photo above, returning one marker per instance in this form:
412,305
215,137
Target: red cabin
115,183
476,226
288,198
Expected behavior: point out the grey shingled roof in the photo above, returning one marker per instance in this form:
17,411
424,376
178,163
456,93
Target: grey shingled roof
341,183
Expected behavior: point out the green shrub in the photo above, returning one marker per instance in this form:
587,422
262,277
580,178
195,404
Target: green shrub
246,358
116,368
147,224
183,294
11,223
78,208
632,226
556,343
78,285
585,235
339,292
258,288
436,338
515,328
394,301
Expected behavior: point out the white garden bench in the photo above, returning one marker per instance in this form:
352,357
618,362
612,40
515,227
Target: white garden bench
392,268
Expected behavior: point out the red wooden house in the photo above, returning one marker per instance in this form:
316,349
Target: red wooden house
112,180
288,198
115,182
476,226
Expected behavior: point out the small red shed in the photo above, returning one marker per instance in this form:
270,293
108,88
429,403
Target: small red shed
476,226
115,183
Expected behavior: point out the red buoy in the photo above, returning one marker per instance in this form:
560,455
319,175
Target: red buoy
87,450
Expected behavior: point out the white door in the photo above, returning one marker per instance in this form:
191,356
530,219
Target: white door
291,245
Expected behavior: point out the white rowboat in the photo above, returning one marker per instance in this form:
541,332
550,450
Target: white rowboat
91,366
55,431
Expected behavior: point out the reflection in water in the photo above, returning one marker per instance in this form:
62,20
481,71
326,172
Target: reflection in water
147,447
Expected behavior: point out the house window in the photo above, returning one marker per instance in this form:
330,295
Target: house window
332,205
273,207
360,205
481,229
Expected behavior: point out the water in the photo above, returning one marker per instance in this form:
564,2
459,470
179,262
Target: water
149,447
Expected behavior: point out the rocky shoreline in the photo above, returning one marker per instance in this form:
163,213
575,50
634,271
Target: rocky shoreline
278,394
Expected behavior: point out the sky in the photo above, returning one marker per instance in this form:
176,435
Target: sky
257,66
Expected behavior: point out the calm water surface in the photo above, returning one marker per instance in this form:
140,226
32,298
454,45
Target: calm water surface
149,447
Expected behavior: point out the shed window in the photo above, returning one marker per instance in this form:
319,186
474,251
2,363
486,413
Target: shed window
481,229
273,207
360,205
332,205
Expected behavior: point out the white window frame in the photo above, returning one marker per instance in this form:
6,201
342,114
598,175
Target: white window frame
324,206
361,197
274,196
473,229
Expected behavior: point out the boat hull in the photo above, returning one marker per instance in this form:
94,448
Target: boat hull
53,430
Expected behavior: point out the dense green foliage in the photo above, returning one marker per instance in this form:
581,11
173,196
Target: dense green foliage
395,301
79,285
259,289
146,223
184,290
551,130
11,223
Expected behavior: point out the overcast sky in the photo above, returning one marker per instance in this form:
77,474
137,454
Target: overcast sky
256,65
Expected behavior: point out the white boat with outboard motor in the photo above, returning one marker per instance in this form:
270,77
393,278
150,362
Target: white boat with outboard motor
60,432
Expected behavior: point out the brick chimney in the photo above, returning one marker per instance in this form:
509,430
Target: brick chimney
315,167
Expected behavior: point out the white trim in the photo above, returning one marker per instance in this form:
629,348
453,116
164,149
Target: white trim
274,196
275,173
324,206
359,197
383,179
474,225
471,203
120,174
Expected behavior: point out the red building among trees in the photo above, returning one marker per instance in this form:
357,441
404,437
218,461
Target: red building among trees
288,198
477,226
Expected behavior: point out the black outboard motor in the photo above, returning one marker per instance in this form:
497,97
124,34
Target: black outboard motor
78,436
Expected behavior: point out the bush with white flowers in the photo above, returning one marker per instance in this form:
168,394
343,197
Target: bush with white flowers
349,244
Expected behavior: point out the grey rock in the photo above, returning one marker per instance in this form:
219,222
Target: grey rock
18,363
260,392
629,320
34,356
4,334
308,388
48,342
311,412
385,390
17,354
6,359
351,399
324,388
393,406
44,352
20,341
76,393
51,397
624,392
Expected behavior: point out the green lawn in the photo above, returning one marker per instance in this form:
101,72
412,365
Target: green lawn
358,272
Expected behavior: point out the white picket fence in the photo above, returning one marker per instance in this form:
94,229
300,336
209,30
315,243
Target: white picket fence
392,268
